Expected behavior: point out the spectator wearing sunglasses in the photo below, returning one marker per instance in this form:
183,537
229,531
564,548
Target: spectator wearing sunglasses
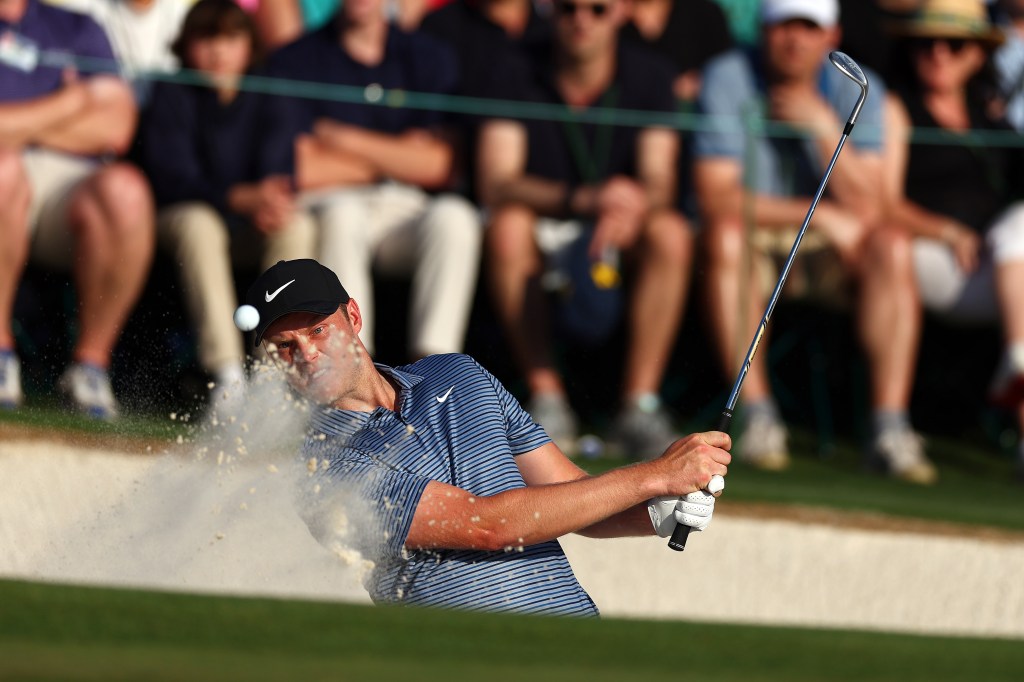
603,189
960,199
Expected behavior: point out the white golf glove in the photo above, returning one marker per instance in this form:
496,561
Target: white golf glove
693,510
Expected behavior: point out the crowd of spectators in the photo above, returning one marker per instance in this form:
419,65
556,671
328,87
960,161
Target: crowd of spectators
129,128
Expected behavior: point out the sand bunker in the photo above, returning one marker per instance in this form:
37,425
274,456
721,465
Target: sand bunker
75,514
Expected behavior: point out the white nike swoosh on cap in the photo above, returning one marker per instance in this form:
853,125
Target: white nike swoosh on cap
271,296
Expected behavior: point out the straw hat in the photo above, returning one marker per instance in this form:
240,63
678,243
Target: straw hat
966,19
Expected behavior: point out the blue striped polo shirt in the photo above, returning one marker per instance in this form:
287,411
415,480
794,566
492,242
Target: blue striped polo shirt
455,423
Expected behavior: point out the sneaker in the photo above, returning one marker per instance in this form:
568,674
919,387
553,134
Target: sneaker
227,393
554,414
87,389
901,452
1007,389
10,380
644,430
762,444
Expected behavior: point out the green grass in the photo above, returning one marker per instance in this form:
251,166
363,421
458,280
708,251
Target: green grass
50,632
49,416
841,481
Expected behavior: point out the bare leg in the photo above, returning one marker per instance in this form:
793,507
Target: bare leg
731,321
1010,290
14,240
514,267
658,298
112,220
889,316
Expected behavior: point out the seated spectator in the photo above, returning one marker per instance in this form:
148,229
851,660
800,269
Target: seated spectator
1009,60
483,33
688,33
961,199
374,170
60,204
141,32
790,81
550,184
200,148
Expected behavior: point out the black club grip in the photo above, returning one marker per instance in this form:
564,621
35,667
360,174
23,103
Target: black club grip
679,535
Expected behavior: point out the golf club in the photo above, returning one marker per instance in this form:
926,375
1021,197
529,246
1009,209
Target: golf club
851,70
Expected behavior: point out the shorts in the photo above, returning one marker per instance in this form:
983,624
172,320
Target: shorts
52,177
969,296
817,273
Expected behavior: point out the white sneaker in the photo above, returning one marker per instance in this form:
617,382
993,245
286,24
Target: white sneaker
87,389
763,444
554,414
901,451
1007,389
10,380
227,393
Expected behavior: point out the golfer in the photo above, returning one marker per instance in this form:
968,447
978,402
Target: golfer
467,494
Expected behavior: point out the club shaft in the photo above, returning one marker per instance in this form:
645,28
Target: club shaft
762,327
682,532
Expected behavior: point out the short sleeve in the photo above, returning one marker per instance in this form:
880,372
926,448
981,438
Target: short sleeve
524,435
726,97
92,43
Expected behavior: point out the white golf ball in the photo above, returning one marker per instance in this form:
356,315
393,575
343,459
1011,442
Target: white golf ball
716,484
246,318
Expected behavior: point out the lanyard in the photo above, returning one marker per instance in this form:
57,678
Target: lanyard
592,163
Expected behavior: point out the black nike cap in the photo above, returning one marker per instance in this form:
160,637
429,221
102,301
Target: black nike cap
294,286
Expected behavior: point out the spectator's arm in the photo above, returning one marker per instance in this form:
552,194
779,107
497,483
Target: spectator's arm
318,166
107,123
657,157
415,157
502,178
720,194
21,122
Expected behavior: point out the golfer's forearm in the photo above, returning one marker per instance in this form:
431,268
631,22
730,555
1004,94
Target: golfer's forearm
451,518
629,523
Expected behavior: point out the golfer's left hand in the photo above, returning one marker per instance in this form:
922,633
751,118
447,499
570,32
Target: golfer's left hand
693,510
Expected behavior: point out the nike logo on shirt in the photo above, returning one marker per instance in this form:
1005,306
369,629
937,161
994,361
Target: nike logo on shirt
271,296
442,398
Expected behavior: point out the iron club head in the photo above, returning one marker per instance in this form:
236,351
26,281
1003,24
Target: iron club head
851,70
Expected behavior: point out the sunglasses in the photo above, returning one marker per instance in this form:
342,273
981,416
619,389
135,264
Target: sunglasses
955,45
569,8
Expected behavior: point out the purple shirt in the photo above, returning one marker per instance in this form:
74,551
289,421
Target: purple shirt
54,33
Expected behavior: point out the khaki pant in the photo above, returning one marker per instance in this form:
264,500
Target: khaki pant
401,230
52,177
202,247
817,273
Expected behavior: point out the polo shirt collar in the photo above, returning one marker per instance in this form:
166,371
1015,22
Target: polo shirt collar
331,421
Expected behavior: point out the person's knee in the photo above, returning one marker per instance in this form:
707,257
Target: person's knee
669,236
13,181
193,227
725,242
455,222
510,233
123,198
888,249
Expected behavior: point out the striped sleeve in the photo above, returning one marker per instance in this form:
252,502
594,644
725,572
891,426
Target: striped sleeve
391,494
524,434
